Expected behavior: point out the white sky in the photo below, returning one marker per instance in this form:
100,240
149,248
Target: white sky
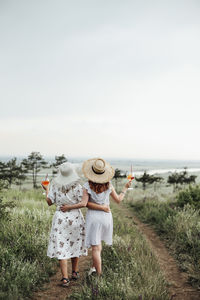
100,78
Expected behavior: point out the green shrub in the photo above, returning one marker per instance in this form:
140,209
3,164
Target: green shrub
183,233
190,196
5,208
154,212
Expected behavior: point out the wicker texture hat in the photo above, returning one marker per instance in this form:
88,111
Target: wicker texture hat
98,170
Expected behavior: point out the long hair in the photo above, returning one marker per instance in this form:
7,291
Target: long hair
99,187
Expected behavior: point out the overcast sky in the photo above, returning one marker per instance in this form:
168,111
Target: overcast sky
100,78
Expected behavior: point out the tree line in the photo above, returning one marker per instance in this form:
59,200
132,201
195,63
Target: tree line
176,179
179,179
14,172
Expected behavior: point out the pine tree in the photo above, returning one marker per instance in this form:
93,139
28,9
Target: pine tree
34,163
145,179
181,178
13,172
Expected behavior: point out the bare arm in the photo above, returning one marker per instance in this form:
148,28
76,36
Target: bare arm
118,198
95,206
83,203
48,200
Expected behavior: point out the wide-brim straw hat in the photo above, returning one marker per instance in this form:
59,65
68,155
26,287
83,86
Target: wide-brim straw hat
98,170
66,175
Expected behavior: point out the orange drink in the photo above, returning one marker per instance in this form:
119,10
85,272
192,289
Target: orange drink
130,177
45,182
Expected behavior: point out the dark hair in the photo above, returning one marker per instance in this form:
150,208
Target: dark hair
99,187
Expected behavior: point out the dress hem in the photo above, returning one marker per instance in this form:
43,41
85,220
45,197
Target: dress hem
85,254
89,245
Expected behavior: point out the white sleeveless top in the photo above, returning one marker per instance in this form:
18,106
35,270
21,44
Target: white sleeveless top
102,198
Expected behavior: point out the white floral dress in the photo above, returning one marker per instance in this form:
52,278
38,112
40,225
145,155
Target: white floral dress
67,236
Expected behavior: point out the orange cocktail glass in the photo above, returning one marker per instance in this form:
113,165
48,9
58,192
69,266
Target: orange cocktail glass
45,182
130,177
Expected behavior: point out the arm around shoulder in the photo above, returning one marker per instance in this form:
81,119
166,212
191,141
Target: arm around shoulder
84,199
81,204
95,206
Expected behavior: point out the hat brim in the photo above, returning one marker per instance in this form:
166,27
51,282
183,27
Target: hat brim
61,180
97,178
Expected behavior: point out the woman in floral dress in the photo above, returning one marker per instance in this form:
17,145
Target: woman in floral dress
67,236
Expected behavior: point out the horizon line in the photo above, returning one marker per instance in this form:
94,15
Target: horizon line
106,158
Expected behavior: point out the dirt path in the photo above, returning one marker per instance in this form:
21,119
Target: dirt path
179,288
54,291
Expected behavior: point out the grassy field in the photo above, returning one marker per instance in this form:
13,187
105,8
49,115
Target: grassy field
23,244
130,270
178,226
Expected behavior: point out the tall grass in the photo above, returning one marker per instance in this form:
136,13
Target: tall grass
130,270
180,227
23,245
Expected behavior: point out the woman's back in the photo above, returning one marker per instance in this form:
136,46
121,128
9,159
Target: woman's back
101,198
99,224
69,194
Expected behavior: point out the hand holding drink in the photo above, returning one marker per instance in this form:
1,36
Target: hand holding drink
130,177
45,183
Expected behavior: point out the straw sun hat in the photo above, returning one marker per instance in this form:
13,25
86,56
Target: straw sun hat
66,174
98,170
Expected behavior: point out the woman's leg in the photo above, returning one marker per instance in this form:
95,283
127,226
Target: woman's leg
96,257
74,261
63,266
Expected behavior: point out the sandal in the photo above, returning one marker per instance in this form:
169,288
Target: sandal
92,271
75,275
66,283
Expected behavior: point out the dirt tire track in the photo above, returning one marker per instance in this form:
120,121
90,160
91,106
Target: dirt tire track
179,288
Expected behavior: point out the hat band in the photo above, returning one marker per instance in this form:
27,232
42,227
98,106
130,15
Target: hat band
98,173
